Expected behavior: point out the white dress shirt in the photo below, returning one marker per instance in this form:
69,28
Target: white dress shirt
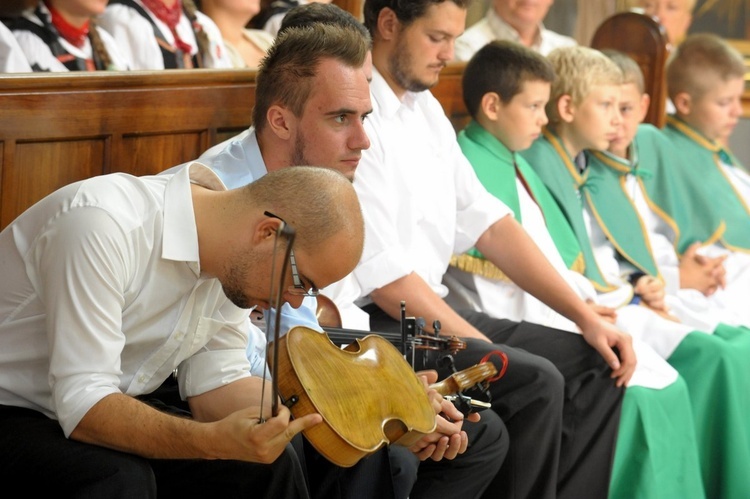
103,293
12,58
492,27
420,197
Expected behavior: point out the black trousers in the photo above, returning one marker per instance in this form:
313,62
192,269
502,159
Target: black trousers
557,399
466,477
37,458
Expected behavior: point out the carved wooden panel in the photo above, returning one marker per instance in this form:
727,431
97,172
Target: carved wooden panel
42,167
644,40
449,92
59,128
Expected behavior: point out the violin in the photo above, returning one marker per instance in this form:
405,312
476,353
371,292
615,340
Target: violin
367,393
412,338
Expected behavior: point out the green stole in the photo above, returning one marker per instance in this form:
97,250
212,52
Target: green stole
497,168
556,168
709,188
615,212
671,198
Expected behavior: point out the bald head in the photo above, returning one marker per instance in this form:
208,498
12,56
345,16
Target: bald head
317,202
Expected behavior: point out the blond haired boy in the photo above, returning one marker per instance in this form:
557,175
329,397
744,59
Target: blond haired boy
505,89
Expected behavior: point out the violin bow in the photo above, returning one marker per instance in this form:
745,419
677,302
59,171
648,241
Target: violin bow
288,232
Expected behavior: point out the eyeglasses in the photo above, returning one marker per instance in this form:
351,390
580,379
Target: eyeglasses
298,287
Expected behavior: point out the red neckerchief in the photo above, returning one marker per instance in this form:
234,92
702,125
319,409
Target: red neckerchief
76,36
169,16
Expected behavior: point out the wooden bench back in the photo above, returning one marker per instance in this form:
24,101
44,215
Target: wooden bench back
61,128
644,40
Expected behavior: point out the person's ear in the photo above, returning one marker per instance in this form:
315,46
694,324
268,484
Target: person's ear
281,121
645,102
683,103
491,105
565,108
388,24
267,228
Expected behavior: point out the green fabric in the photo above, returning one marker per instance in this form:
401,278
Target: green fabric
495,166
657,453
711,192
615,212
548,158
677,201
717,371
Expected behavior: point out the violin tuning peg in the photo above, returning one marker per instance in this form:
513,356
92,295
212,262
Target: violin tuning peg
420,324
436,327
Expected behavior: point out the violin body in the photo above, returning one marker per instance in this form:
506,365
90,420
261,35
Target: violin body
367,393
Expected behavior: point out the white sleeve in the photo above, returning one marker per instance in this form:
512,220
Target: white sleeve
12,58
134,37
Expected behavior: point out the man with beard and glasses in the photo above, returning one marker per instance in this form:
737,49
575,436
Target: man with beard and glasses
312,97
111,284
561,394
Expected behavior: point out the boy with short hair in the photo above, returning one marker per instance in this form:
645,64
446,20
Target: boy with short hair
505,89
705,80
604,220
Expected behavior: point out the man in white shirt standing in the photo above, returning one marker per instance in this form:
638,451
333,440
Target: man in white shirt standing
422,202
515,20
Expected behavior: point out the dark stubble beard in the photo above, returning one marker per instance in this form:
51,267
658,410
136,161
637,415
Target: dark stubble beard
298,154
232,284
400,65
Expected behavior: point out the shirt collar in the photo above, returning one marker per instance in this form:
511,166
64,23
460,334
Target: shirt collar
180,234
387,100
248,149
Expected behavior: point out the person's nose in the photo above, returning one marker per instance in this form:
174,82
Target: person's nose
359,139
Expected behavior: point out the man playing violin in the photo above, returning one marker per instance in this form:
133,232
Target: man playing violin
113,283
317,119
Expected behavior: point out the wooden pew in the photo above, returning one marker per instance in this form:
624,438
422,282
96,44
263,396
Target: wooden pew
449,91
60,128
645,41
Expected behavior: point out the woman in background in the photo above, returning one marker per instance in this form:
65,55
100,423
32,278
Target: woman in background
165,34
246,47
61,35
